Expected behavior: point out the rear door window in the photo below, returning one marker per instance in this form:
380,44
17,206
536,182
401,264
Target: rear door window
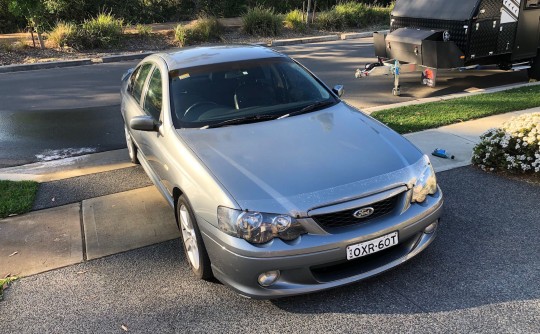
153,98
139,80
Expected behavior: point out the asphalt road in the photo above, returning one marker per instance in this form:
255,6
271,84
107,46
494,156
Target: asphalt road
479,276
54,113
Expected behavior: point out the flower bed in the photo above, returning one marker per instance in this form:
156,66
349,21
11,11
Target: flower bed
515,147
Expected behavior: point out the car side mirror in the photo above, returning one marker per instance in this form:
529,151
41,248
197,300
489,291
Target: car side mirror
339,90
143,123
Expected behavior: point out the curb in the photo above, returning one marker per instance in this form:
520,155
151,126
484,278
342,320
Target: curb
126,57
316,39
45,65
141,55
448,97
71,63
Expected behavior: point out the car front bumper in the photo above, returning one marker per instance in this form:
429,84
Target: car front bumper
318,262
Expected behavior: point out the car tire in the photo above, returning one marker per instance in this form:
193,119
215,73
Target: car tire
132,149
534,71
192,241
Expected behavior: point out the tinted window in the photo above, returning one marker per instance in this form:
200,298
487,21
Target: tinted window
152,101
211,94
139,80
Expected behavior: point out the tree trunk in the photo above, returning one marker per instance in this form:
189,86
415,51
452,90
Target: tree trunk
40,39
308,11
35,23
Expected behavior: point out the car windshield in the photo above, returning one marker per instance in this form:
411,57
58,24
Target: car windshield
243,92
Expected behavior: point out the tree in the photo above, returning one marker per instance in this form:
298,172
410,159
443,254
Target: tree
33,11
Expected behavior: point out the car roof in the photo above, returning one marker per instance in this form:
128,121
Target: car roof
208,55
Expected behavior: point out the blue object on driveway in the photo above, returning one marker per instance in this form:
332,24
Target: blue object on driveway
441,153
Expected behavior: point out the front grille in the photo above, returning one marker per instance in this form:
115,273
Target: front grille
346,218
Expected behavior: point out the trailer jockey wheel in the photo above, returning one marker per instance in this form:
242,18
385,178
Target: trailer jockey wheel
534,71
396,91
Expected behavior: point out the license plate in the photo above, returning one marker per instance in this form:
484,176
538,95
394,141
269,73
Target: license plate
372,246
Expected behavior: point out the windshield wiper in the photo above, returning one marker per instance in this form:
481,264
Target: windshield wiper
240,120
311,107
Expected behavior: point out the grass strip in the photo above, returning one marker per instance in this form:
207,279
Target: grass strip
435,114
4,283
16,197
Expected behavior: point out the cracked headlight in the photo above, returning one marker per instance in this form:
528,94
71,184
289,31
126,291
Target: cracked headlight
426,184
258,227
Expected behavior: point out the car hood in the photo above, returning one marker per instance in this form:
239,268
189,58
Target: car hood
297,163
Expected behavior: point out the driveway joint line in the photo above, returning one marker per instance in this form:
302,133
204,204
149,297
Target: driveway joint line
83,237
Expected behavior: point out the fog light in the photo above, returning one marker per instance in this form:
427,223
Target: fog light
268,278
431,227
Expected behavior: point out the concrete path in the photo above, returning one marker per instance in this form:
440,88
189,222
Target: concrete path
43,240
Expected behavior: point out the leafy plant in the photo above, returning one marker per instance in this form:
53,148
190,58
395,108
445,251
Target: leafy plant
102,31
295,20
4,283
329,20
63,34
353,13
261,21
515,147
143,30
205,29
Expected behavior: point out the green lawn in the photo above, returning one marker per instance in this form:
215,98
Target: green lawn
16,197
435,114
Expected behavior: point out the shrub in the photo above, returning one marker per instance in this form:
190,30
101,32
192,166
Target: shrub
377,15
515,147
295,20
63,34
261,21
102,31
143,30
205,29
329,20
353,13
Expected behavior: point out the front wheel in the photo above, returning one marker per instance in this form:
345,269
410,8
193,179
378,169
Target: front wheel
194,249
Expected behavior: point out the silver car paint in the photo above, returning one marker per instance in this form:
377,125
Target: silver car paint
294,164
233,167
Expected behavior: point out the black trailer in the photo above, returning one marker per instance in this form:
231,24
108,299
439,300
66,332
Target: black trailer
433,35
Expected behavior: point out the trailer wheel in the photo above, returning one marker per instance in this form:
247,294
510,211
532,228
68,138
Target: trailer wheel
534,71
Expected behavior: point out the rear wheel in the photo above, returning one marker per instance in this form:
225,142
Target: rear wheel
194,249
534,71
132,149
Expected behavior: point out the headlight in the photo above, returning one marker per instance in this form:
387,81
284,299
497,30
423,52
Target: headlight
258,227
425,185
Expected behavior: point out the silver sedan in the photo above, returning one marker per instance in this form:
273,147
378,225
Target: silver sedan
279,187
